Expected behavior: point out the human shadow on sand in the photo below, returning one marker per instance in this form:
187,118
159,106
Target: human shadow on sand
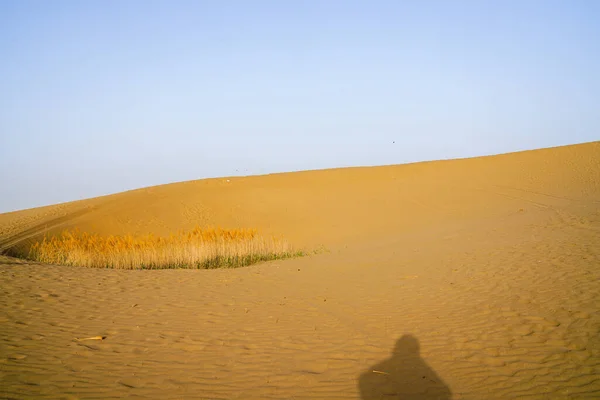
405,375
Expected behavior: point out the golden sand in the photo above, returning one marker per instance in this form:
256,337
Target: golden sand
464,279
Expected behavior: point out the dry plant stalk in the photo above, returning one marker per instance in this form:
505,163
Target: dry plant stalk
199,248
91,338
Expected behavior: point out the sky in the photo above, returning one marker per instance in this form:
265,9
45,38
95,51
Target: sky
98,97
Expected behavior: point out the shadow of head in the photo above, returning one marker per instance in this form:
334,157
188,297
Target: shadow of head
407,345
404,375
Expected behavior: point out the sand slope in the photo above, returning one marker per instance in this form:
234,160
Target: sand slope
463,279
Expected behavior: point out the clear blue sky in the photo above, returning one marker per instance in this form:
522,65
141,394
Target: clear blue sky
97,97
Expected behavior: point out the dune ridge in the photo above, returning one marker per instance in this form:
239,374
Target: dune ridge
489,265
339,201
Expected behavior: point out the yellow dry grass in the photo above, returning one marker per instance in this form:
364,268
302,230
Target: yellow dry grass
198,248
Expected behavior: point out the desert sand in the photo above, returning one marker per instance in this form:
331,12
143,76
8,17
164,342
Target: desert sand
465,279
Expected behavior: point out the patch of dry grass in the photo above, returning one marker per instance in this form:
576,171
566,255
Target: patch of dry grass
199,248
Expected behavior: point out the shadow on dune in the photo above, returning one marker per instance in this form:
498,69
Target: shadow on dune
405,375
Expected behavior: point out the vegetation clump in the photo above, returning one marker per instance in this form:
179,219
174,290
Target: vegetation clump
199,248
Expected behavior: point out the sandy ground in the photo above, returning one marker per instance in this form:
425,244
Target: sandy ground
463,279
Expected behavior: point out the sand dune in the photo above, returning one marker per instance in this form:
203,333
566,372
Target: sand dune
463,279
